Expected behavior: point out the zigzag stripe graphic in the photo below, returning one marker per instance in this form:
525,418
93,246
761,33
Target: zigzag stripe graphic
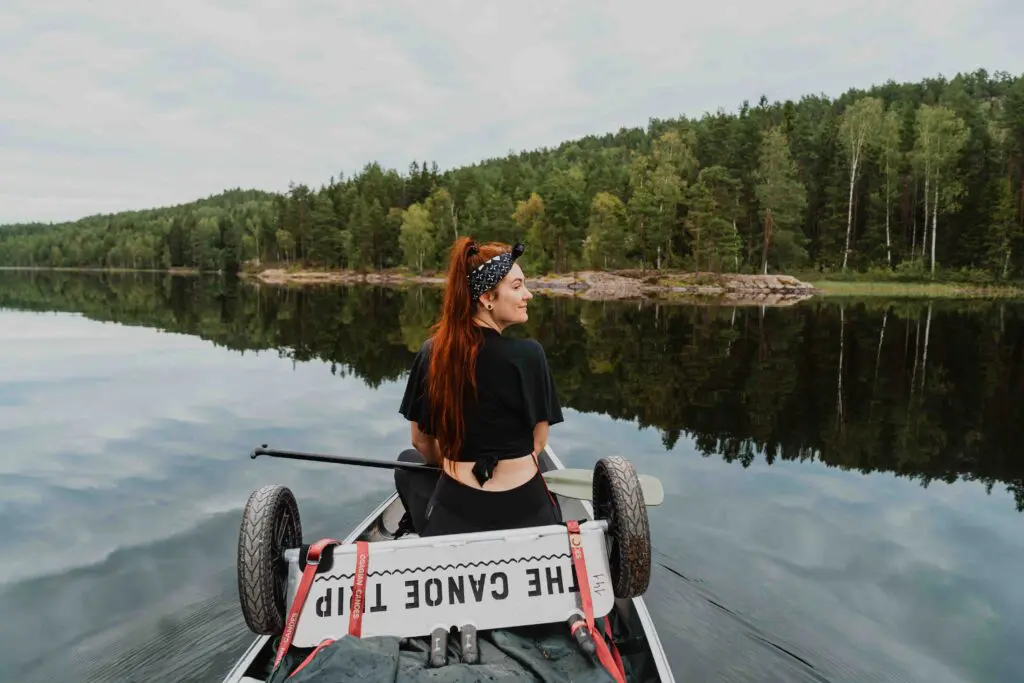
440,567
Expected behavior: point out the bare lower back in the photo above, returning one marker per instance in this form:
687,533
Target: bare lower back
508,474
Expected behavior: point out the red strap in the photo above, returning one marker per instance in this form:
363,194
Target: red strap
355,610
611,644
323,643
312,560
613,665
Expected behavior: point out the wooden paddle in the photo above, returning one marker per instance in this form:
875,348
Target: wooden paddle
571,483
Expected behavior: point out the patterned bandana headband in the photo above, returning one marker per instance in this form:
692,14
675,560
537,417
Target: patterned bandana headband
489,273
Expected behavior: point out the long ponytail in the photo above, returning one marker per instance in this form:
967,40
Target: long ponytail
451,376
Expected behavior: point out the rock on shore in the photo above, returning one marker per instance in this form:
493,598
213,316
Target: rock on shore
730,288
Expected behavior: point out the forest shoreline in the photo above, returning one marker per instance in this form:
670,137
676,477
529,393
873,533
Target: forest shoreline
668,285
762,290
732,288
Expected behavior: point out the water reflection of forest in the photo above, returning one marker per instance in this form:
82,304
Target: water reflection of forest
928,390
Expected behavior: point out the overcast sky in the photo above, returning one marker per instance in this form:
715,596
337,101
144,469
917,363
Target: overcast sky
111,105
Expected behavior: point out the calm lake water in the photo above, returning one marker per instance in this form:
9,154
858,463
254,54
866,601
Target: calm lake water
844,481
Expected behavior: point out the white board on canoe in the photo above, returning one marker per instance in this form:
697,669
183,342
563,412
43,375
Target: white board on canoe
488,580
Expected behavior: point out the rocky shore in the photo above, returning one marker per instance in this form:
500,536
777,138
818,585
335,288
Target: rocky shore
761,290
728,288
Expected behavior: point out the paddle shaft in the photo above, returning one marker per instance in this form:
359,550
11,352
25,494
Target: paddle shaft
344,460
565,482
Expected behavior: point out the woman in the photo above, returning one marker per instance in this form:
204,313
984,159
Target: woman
479,405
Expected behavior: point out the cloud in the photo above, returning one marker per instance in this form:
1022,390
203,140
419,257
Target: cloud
116,105
116,435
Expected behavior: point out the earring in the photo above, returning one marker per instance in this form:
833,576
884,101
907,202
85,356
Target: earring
489,307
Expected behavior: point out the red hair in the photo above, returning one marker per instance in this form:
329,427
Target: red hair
456,340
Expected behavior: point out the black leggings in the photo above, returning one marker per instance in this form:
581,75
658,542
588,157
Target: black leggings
440,505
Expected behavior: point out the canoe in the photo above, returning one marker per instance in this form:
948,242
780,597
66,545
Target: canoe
642,652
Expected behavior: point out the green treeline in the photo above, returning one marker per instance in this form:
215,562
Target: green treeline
204,234
900,177
929,391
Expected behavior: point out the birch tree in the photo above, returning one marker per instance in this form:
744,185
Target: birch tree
1003,231
667,190
642,207
565,209
941,135
252,230
416,237
605,245
889,150
531,225
858,130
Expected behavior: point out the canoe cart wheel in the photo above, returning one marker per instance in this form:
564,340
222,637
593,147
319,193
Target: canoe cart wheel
619,499
270,525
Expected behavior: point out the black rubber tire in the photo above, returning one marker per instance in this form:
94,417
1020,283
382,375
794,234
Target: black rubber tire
270,525
619,499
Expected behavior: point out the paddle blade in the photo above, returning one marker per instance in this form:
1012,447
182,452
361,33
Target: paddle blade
654,494
579,483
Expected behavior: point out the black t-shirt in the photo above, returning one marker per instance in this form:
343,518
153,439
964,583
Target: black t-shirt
515,391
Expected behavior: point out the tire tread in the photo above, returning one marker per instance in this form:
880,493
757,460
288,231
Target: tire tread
256,581
628,524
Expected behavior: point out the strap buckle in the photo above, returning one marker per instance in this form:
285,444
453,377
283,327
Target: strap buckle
313,555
